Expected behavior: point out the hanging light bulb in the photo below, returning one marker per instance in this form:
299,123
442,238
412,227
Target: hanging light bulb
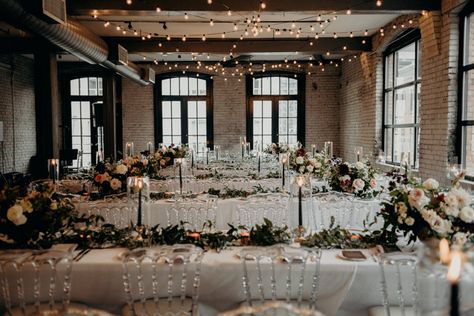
293,25
235,27
135,32
335,35
229,13
349,12
262,5
268,28
106,24
223,35
158,9
186,17
378,3
351,35
117,28
318,18
129,2
211,22
366,32
209,1
312,28
168,37
203,37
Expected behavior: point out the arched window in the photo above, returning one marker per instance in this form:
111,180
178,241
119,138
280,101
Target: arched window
86,101
466,87
184,110
275,110
402,84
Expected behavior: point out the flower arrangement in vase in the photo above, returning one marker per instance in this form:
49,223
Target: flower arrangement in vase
357,178
300,162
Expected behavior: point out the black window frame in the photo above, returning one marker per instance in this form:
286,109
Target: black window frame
300,97
159,98
405,39
463,69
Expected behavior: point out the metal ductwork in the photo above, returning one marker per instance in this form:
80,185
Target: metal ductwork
70,36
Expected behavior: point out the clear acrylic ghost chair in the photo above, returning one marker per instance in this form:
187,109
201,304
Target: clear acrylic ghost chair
194,213
330,208
38,282
399,286
162,280
272,308
253,210
117,214
279,274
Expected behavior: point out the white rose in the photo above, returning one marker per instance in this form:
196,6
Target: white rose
310,168
451,211
359,165
430,184
122,169
417,198
467,214
441,226
15,215
464,199
317,165
429,216
409,221
459,238
302,169
115,184
358,184
299,160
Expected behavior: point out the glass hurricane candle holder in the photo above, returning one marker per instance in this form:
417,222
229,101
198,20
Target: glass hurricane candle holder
129,150
53,169
301,193
328,149
359,152
180,174
138,194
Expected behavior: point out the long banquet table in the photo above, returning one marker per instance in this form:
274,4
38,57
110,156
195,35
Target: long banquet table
346,287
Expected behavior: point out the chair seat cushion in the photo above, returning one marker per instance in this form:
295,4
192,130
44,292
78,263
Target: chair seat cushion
175,307
73,309
394,311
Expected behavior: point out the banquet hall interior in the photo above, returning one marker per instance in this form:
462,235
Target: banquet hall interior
237,157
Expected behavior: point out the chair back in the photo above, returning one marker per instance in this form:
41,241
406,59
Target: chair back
404,289
194,213
170,273
115,210
271,308
279,273
34,277
253,210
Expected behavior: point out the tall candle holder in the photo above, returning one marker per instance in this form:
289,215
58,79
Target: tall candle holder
284,164
216,151
300,180
453,276
150,148
313,150
405,161
53,169
259,164
129,150
138,193
328,149
358,151
178,164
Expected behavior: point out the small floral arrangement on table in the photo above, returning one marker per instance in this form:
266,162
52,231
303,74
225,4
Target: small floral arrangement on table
357,178
425,211
300,162
276,149
33,220
165,155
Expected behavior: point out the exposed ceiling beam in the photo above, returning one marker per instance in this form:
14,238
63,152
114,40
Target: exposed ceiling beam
148,7
321,45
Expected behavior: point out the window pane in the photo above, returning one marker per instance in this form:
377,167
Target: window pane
176,126
292,140
176,139
266,85
176,109
405,64
388,144
75,87
267,108
76,142
83,86
389,71
75,109
283,108
167,140
85,109
403,140
99,86
388,108
266,140
267,126
468,145
193,142
75,127
193,90
174,86
293,108
192,126
469,40
257,86
404,106
292,126
282,126
202,87
293,86
93,86
183,86
165,87
257,108
166,105
202,126
275,85
201,109
418,101
284,85
166,127
192,109
418,61
257,126
468,95
86,127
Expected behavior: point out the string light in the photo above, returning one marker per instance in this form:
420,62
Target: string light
366,32
168,37
129,2
106,24
262,5
229,13
378,3
223,35
349,12
209,1
158,9
235,27
211,22
186,17
203,37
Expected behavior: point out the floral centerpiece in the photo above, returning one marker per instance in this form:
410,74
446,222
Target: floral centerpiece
301,163
33,220
276,149
165,155
357,178
425,211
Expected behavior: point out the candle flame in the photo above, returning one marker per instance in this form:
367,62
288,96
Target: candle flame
139,183
444,252
300,181
455,267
